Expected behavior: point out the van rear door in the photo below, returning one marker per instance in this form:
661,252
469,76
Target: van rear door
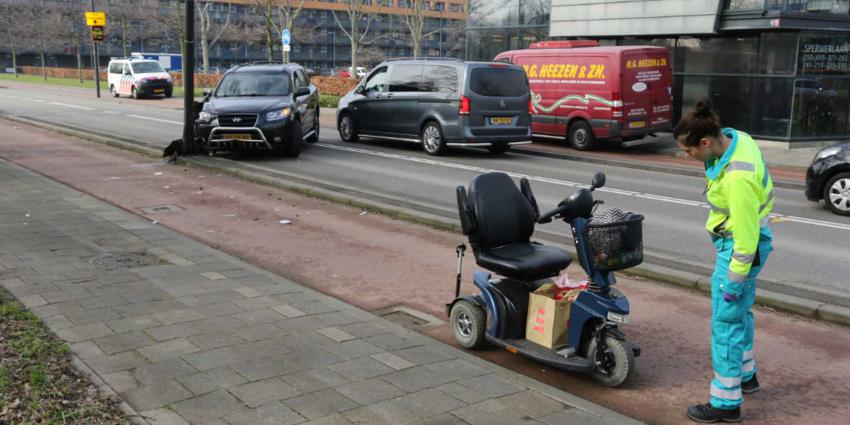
498,100
647,87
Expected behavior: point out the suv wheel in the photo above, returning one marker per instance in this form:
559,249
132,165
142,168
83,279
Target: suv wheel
432,139
836,194
499,148
315,136
113,91
347,129
581,136
292,147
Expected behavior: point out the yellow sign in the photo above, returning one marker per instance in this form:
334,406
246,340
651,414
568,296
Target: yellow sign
566,70
646,63
96,19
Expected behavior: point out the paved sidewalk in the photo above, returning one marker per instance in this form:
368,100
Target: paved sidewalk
187,334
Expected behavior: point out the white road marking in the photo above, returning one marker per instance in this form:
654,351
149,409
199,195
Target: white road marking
71,106
142,117
688,202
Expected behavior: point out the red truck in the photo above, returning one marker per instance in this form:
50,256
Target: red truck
590,93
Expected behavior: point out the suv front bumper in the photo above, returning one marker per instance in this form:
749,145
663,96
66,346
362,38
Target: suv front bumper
263,136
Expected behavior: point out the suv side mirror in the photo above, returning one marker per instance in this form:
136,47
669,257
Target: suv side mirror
302,91
361,90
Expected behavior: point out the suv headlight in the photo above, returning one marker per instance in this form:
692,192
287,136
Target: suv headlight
277,115
825,153
205,116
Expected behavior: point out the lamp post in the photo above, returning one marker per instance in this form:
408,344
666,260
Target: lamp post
333,35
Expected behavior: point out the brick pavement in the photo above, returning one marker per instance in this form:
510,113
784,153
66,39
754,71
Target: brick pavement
188,334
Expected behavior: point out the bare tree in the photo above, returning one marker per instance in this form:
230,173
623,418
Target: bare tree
175,21
120,16
207,28
10,32
71,20
359,20
279,15
43,20
416,19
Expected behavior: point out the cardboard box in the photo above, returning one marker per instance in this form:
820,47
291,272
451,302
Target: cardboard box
547,318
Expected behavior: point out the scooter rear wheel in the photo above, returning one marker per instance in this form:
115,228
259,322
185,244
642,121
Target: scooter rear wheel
468,322
618,364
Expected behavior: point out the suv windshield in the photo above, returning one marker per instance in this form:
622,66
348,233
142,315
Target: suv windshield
146,67
489,81
254,83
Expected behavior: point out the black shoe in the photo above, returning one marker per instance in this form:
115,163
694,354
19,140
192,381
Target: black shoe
706,413
751,386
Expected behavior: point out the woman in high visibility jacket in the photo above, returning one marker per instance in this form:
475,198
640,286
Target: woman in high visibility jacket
740,195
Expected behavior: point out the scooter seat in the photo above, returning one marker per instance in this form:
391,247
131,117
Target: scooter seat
524,260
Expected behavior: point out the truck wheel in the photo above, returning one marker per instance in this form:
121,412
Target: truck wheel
615,365
347,129
836,194
467,322
581,136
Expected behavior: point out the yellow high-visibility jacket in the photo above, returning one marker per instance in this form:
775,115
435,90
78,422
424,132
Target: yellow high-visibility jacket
740,192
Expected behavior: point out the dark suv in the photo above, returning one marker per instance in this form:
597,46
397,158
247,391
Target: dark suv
439,102
270,106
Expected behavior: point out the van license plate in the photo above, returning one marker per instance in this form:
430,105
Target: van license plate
159,90
238,136
637,124
500,120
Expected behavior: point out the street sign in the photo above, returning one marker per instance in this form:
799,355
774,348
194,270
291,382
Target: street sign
286,37
96,19
97,33
287,48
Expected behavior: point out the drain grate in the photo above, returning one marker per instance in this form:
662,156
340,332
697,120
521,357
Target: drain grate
407,317
133,260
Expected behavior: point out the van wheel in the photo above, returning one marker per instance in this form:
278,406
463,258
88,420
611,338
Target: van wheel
113,91
168,94
347,129
581,136
499,148
134,93
432,139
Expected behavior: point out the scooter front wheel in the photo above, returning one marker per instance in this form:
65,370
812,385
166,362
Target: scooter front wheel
468,322
615,365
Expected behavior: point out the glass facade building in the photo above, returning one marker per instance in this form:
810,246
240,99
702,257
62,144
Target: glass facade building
494,26
778,69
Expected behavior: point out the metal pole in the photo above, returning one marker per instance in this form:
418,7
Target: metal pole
96,62
334,49
189,80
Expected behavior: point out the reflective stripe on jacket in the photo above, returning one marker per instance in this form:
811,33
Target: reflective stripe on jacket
740,192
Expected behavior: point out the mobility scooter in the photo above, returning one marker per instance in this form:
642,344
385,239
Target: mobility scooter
499,220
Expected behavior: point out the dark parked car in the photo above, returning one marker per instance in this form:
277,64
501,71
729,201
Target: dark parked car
828,178
439,103
269,106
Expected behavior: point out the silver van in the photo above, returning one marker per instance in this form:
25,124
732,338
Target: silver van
439,103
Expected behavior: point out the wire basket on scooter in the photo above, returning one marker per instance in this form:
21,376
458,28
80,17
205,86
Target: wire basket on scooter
614,240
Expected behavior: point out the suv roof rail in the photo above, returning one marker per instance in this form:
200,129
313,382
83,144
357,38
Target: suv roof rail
425,58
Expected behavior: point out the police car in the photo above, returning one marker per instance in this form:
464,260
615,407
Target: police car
138,77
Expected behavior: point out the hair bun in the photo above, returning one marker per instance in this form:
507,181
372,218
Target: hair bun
704,108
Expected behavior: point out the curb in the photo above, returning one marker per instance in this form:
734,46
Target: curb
418,214
106,390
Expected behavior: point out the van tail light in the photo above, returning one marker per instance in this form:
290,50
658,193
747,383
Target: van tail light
464,106
530,107
617,106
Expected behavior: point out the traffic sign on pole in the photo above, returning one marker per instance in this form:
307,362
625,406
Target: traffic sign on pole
96,19
285,37
97,33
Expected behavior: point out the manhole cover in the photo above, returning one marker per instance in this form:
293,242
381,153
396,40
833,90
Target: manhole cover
134,260
408,317
158,209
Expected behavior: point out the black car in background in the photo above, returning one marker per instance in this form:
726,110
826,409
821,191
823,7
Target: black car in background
439,102
265,106
828,178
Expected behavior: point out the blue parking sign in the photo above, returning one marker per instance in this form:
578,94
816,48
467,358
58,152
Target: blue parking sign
285,37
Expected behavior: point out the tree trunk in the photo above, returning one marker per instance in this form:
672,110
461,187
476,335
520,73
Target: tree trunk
354,42
15,60
417,42
205,48
43,64
124,38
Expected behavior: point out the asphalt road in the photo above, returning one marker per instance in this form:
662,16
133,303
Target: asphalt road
811,251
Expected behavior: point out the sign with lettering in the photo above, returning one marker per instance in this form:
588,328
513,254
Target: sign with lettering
825,54
96,19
